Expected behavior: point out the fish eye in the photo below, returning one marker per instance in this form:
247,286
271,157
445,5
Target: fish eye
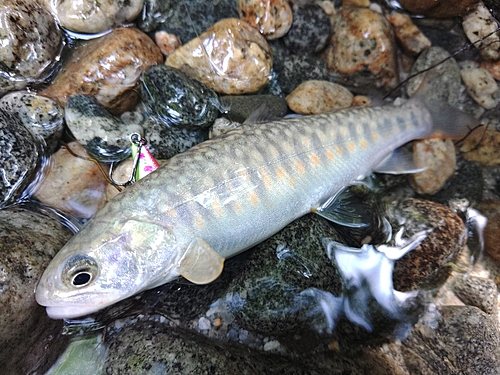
80,271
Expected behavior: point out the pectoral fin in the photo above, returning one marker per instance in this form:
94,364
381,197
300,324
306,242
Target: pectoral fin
201,264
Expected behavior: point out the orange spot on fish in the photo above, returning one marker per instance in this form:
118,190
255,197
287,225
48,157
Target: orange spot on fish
363,143
198,222
300,167
338,150
281,172
375,136
254,198
268,182
217,207
330,155
238,207
351,146
315,159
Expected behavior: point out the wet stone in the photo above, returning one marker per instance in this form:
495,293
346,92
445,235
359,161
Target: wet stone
438,156
481,86
240,107
177,99
90,16
409,37
104,136
39,114
477,291
263,297
446,85
272,18
479,23
31,44
491,209
439,8
107,68
22,159
165,142
231,57
466,339
30,341
314,96
482,145
73,185
427,266
310,30
361,51
297,69
187,19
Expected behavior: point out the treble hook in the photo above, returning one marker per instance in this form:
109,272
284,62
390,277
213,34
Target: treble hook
138,142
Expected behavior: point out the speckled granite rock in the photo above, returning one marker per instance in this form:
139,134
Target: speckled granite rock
297,69
438,9
91,16
107,68
236,62
409,37
479,23
177,99
30,340
22,159
491,209
481,86
240,107
466,340
31,44
104,136
482,146
272,18
362,49
310,30
479,292
41,115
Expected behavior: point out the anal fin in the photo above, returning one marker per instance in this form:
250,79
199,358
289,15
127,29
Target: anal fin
399,161
201,264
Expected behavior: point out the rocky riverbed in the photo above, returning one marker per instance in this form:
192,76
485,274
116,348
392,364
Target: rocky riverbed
76,81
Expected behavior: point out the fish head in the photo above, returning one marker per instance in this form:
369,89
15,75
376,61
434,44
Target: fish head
105,263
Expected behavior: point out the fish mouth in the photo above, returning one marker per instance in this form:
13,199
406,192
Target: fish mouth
70,312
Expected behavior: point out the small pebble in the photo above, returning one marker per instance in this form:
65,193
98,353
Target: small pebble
231,57
491,209
271,345
104,136
168,43
313,97
91,16
481,86
361,101
479,23
73,185
408,35
438,156
272,18
310,30
204,324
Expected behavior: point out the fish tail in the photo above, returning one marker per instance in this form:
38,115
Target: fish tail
447,121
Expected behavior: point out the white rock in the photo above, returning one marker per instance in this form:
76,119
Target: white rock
481,86
479,23
314,96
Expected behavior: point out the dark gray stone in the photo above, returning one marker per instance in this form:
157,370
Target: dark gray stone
478,292
297,69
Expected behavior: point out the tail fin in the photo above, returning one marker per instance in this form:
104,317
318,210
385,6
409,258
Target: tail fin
448,122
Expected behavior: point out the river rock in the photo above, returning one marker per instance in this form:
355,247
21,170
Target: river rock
491,209
41,115
107,68
445,85
411,40
362,49
478,24
73,185
310,30
22,159
438,8
313,97
165,142
177,99
235,62
481,86
297,69
439,157
273,18
427,266
186,19
167,42
91,16
30,340
31,44
482,145
466,340
240,107
477,291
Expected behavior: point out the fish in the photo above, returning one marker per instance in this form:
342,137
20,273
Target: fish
228,194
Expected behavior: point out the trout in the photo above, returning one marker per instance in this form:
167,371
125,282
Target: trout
226,195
